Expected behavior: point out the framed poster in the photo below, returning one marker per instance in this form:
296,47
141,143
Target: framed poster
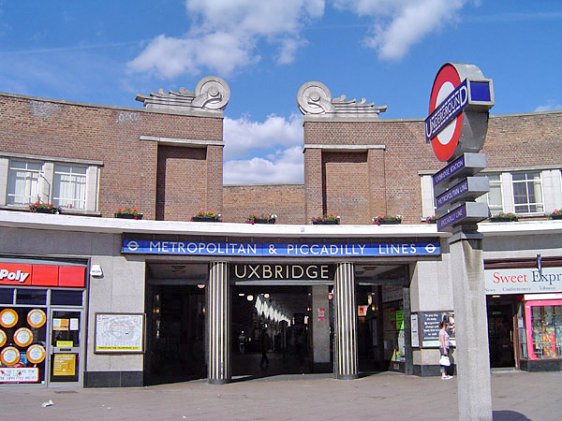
429,326
119,333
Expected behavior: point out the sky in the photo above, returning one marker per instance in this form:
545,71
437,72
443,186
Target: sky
386,51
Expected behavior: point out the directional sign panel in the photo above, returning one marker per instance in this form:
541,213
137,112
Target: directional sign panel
468,189
467,213
464,166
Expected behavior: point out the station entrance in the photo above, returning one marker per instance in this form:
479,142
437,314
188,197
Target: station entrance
274,327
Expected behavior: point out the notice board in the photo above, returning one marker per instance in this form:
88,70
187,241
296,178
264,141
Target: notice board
119,333
429,327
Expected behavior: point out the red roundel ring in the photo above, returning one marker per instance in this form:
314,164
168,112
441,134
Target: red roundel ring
445,143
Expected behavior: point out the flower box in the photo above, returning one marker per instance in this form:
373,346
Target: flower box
264,218
128,216
42,207
264,221
207,216
127,213
504,217
556,214
329,219
387,219
205,219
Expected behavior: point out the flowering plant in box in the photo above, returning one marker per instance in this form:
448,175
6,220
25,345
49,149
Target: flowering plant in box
207,215
326,219
43,207
387,219
263,218
556,214
504,217
128,213
431,219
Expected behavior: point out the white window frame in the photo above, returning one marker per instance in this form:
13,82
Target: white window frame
33,183
74,179
46,180
538,203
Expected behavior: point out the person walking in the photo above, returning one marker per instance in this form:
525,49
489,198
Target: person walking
264,347
444,349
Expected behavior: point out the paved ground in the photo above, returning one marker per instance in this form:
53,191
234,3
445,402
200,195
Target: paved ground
385,396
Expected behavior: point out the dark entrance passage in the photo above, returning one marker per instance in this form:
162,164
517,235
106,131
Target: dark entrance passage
175,333
501,337
271,330
380,328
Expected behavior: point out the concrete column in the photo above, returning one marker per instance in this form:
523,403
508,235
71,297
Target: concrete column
320,326
471,328
346,322
218,313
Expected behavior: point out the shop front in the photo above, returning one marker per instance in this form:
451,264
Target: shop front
42,321
525,315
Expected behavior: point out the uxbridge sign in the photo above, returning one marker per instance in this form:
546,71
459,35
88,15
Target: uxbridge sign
282,272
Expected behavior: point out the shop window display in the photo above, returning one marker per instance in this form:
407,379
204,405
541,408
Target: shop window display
23,334
545,336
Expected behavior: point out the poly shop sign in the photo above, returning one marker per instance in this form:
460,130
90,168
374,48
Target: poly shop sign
523,281
458,110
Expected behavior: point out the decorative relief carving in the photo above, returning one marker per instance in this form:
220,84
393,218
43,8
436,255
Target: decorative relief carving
211,94
316,99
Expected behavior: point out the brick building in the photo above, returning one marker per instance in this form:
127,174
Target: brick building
93,300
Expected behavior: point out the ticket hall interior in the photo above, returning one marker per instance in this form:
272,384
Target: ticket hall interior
275,326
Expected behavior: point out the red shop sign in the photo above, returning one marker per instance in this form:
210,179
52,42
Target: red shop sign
21,274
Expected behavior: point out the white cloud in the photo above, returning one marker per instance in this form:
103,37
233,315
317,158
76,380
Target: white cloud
551,105
243,135
286,167
399,24
224,35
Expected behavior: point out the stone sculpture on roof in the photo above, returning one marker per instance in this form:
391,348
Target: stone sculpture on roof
211,95
314,98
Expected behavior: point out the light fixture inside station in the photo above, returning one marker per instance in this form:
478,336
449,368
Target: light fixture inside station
250,297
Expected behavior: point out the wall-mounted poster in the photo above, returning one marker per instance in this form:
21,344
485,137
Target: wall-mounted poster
119,332
429,325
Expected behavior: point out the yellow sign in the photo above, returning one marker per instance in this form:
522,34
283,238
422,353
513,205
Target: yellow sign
64,365
65,344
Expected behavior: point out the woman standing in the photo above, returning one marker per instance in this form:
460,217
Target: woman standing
444,347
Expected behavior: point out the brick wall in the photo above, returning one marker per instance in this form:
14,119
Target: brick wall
393,178
46,128
285,200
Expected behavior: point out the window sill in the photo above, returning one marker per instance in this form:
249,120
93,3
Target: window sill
63,211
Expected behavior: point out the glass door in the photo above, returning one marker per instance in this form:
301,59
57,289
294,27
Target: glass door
65,346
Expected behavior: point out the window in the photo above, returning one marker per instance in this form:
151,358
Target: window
23,182
69,186
494,196
73,186
527,196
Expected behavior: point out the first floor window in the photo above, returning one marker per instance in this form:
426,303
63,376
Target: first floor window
23,182
69,186
527,195
494,196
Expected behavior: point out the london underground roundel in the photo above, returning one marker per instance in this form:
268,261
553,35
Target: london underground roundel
446,141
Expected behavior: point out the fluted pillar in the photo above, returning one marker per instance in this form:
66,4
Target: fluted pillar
218,323
346,322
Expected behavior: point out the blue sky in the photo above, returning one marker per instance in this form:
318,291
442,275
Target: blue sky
387,51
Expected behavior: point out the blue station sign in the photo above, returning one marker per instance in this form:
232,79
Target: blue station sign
295,250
